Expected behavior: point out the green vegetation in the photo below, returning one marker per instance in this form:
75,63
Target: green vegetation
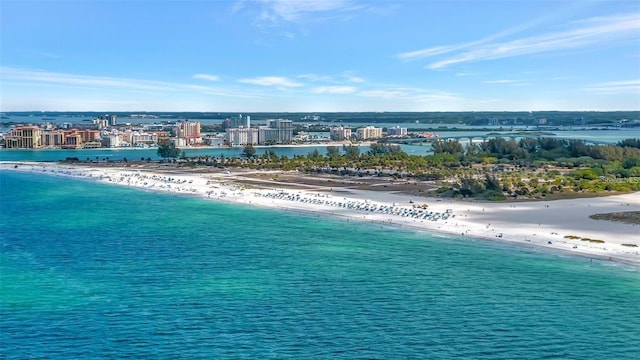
498,169
628,217
167,149
248,151
573,237
593,240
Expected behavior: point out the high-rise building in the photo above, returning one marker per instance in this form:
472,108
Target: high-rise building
53,138
24,137
112,140
241,136
340,133
111,120
277,131
268,136
369,132
397,131
188,130
101,123
239,121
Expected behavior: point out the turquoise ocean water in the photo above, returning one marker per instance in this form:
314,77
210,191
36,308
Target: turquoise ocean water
96,271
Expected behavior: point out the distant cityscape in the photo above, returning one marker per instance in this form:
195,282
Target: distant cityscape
108,131
105,132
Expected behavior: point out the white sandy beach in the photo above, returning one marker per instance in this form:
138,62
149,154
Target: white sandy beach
542,224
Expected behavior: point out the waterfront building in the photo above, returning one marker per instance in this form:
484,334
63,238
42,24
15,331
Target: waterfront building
143,139
340,133
189,131
24,137
214,140
277,131
69,139
53,138
368,132
301,137
92,144
241,136
178,142
397,131
112,141
87,135
267,135
72,140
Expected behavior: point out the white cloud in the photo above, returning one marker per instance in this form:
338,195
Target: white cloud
351,77
80,80
444,49
206,77
616,87
408,94
464,74
355,79
503,81
270,81
293,10
386,94
334,90
48,55
585,33
40,78
433,51
316,77
346,76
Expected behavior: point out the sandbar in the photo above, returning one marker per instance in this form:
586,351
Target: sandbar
564,226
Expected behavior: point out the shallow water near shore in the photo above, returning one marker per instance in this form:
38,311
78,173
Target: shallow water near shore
90,270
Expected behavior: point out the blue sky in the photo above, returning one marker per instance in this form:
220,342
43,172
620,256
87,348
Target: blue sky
319,55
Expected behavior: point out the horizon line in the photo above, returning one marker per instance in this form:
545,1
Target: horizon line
309,112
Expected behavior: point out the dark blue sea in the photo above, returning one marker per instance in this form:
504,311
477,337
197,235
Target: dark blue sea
92,271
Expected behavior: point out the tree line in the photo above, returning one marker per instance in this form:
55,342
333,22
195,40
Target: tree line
495,169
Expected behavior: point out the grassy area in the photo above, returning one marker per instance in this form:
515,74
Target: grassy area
628,217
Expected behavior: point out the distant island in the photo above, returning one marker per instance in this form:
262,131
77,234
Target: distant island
475,118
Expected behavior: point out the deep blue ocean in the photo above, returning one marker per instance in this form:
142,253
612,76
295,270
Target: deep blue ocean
96,271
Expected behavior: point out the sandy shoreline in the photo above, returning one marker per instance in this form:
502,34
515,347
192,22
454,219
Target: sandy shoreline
542,224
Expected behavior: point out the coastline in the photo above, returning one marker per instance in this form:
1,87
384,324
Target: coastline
206,147
540,224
